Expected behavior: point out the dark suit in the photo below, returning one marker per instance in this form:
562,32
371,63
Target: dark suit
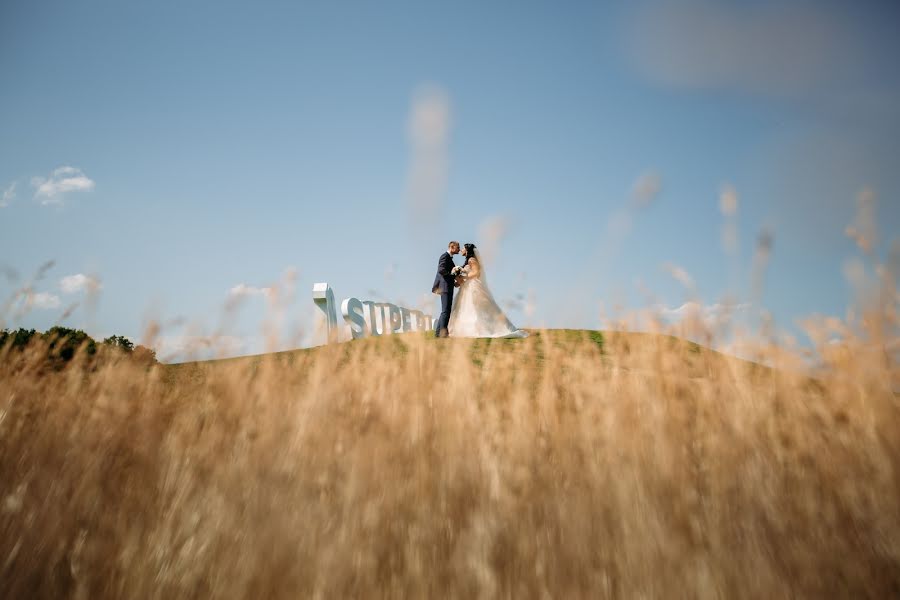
444,283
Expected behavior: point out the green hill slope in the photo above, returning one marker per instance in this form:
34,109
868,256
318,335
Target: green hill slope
627,351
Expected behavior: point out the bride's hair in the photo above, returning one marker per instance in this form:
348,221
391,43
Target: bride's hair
470,252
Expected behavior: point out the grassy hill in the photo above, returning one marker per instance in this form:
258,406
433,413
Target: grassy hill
568,464
529,353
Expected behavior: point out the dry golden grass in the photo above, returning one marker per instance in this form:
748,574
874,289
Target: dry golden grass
406,466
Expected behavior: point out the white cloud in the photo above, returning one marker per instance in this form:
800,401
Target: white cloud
43,300
180,347
52,189
704,309
9,194
72,284
242,290
710,315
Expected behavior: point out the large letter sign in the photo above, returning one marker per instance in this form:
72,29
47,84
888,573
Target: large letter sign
324,299
365,318
373,309
352,311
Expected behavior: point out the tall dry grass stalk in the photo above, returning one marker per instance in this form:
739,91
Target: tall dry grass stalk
562,465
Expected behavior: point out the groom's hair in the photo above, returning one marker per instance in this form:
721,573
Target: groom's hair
453,243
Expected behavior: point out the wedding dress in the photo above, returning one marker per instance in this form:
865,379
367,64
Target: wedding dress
475,312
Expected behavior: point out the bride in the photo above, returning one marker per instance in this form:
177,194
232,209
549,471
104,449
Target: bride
476,313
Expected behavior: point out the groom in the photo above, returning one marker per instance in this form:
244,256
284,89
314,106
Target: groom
444,282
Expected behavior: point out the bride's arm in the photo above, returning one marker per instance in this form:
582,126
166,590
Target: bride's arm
473,268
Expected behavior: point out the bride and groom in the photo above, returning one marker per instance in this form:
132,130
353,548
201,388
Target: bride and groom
475,313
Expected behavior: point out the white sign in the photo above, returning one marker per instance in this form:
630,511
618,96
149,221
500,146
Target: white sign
365,318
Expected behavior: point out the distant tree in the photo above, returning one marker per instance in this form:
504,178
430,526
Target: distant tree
61,344
16,339
64,342
119,341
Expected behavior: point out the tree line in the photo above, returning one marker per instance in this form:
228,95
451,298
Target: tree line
62,344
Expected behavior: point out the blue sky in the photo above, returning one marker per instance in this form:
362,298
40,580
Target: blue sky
174,151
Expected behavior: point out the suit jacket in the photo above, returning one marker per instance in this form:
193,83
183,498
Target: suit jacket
443,280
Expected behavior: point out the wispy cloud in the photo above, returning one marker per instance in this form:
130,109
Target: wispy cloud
178,347
727,326
72,284
52,189
42,300
706,311
242,290
9,194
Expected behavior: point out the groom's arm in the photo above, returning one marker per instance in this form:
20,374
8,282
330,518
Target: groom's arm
445,266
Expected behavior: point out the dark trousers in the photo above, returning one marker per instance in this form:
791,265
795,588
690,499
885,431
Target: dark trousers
444,320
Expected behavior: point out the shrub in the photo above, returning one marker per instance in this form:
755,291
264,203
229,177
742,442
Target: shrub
119,341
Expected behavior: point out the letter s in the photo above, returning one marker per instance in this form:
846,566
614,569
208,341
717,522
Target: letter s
352,311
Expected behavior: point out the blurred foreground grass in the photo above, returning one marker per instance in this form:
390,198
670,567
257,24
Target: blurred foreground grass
568,464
